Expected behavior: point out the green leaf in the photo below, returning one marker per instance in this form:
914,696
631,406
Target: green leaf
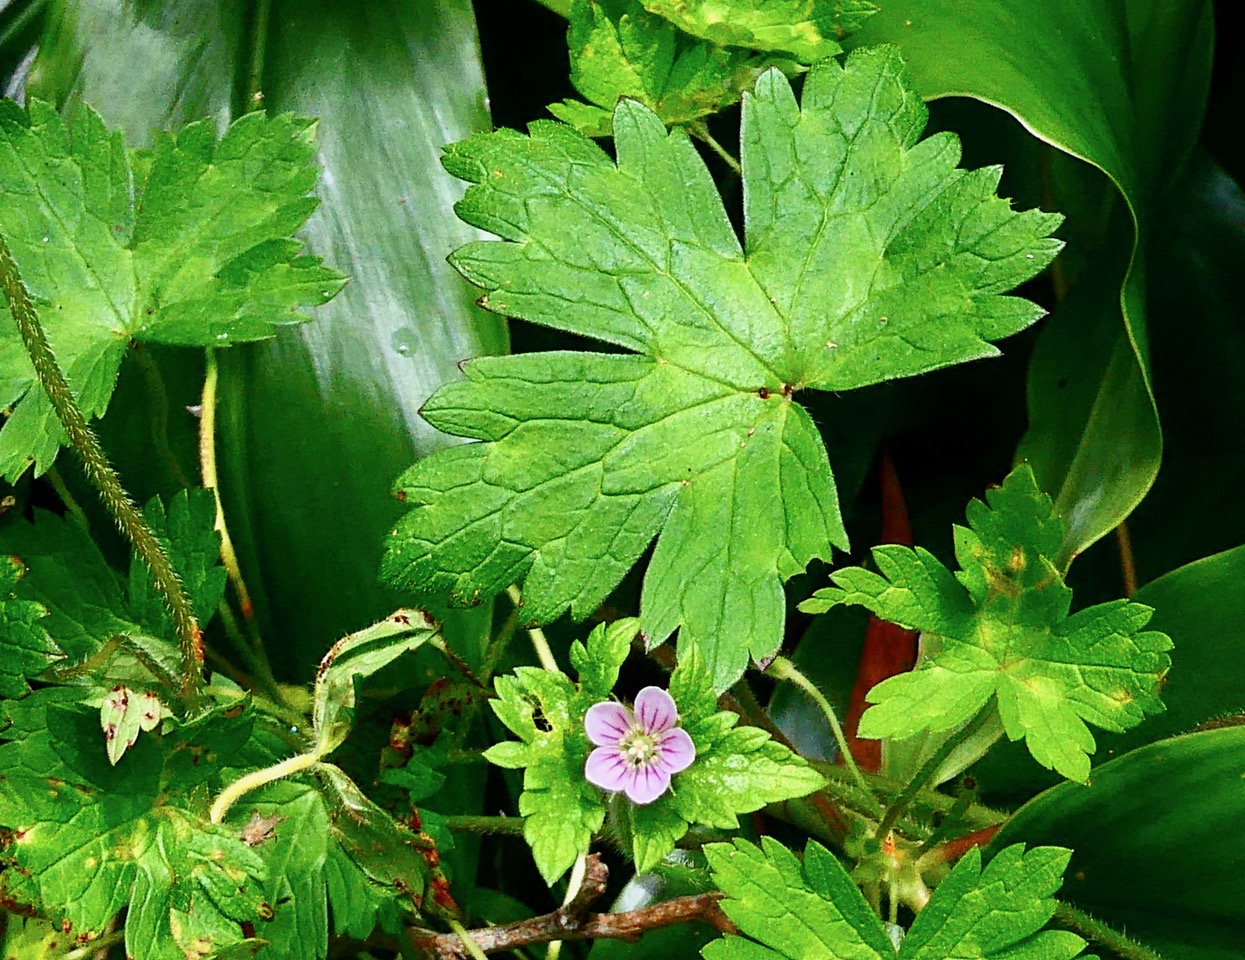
589,456
618,49
561,809
598,662
797,910
353,658
998,631
124,714
190,247
1167,871
806,29
189,534
26,650
69,578
90,838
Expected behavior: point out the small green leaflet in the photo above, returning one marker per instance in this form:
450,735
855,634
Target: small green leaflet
806,29
90,838
26,650
868,256
188,532
123,715
737,769
618,49
793,909
354,657
999,631
188,244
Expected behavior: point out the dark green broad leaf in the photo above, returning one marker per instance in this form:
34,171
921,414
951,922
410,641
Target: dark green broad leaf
1123,89
188,245
697,441
786,909
1158,843
618,49
316,426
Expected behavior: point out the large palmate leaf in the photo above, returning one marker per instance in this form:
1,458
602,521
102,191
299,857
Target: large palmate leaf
868,256
997,634
190,246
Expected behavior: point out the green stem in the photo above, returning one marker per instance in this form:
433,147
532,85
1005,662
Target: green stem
486,826
573,885
464,937
539,643
700,130
259,50
72,507
88,950
783,669
159,414
211,481
102,475
1078,921
927,771
259,778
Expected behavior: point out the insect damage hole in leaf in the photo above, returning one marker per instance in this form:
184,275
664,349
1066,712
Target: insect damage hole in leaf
868,256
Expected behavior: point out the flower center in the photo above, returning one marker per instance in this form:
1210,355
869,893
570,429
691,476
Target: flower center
637,748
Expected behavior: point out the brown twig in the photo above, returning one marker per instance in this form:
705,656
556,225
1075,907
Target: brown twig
575,922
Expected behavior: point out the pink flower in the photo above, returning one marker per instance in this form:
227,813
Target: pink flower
637,753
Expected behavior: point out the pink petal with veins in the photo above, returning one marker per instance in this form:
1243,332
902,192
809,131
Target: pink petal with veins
646,784
607,723
656,710
676,751
607,769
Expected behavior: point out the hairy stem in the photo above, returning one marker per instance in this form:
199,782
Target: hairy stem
700,130
510,826
927,771
102,475
258,778
1095,931
783,669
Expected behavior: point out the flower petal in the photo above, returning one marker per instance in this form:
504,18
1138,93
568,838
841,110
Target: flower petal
656,710
607,723
607,769
646,784
676,751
